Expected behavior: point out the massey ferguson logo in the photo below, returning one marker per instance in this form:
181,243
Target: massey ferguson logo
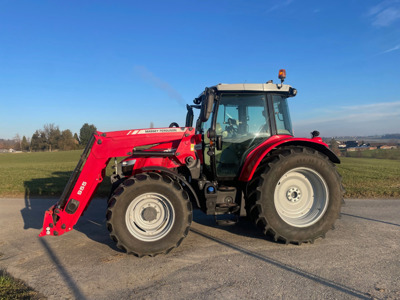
150,131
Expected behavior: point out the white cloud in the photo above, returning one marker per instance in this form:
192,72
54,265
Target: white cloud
280,4
397,47
385,13
382,106
386,17
367,119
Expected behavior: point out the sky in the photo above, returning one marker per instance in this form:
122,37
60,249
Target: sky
124,64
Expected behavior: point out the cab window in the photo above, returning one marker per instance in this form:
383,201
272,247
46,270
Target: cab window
282,116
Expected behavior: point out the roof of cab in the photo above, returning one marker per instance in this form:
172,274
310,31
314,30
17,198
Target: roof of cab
255,87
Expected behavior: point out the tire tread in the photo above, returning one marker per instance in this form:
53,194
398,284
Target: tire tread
254,191
137,179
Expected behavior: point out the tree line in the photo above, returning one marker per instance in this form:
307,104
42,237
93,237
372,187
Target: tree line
51,138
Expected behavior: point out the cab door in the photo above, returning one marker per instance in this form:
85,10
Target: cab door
241,121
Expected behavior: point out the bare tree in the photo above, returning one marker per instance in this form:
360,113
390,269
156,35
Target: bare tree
18,142
334,147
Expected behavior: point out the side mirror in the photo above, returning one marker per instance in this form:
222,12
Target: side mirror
189,116
207,104
214,140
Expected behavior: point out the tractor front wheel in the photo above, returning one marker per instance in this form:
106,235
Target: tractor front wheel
149,214
298,195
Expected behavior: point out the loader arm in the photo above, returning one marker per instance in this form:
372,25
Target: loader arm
90,170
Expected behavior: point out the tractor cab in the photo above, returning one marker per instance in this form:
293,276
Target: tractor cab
236,118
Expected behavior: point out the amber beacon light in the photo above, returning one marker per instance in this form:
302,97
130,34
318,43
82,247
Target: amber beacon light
282,74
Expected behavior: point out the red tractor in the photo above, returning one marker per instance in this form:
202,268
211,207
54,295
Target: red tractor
240,158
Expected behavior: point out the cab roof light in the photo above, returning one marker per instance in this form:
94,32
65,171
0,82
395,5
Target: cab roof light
282,74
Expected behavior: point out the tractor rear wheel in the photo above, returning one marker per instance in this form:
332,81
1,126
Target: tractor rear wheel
149,214
296,196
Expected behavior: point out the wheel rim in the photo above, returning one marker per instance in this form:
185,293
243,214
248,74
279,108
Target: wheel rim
301,197
150,217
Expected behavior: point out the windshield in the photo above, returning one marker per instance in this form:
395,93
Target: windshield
242,115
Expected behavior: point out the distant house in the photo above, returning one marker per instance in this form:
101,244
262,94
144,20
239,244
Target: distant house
386,147
365,145
351,144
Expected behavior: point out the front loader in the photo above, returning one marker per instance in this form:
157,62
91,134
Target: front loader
239,158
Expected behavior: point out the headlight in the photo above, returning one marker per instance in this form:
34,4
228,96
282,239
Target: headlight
127,166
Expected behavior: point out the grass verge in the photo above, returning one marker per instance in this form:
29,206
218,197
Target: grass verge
11,288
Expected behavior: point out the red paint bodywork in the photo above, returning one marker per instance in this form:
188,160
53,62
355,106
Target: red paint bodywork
255,157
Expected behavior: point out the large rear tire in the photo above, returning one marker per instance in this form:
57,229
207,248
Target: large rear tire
296,195
149,214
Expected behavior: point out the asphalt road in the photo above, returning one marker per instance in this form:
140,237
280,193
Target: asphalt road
360,259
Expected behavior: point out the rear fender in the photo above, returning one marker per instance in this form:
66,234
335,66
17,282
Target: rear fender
255,157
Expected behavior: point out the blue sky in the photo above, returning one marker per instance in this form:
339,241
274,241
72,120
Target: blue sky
123,64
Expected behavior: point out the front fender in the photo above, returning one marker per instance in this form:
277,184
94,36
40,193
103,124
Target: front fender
255,157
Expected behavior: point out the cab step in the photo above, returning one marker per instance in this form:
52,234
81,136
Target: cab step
231,220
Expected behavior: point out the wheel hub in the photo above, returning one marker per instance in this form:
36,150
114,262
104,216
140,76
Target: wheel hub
293,194
149,214
150,217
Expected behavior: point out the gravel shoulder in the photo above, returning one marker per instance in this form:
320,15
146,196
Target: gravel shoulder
357,260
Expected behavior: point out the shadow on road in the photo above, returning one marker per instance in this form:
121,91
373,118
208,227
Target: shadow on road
63,272
93,223
326,282
40,195
36,192
369,219
243,228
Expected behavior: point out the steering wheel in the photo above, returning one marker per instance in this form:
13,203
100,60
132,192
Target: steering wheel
173,124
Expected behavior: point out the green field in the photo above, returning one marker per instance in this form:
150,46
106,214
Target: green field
46,174
40,173
378,153
369,177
